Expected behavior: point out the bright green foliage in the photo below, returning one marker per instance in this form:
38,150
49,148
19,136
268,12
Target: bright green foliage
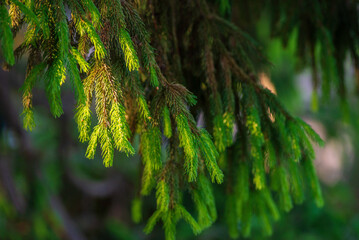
129,52
148,180
297,182
231,216
85,27
210,154
28,119
83,119
310,132
272,208
169,206
243,185
136,210
15,15
205,203
55,74
185,215
7,42
119,128
54,77
84,66
313,181
187,142
151,148
154,78
152,221
104,49
167,129
262,208
74,75
228,122
26,11
269,167
91,148
219,133
106,147
162,195
284,194
110,114
32,75
256,140
170,219
143,107
92,9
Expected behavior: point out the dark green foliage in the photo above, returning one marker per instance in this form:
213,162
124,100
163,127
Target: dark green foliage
260,154
325,34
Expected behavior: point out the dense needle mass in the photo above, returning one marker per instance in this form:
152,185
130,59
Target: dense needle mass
150,68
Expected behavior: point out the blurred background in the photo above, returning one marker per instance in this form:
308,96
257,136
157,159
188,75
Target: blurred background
49,190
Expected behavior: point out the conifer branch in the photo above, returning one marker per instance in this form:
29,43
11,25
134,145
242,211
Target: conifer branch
127,73
6,40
